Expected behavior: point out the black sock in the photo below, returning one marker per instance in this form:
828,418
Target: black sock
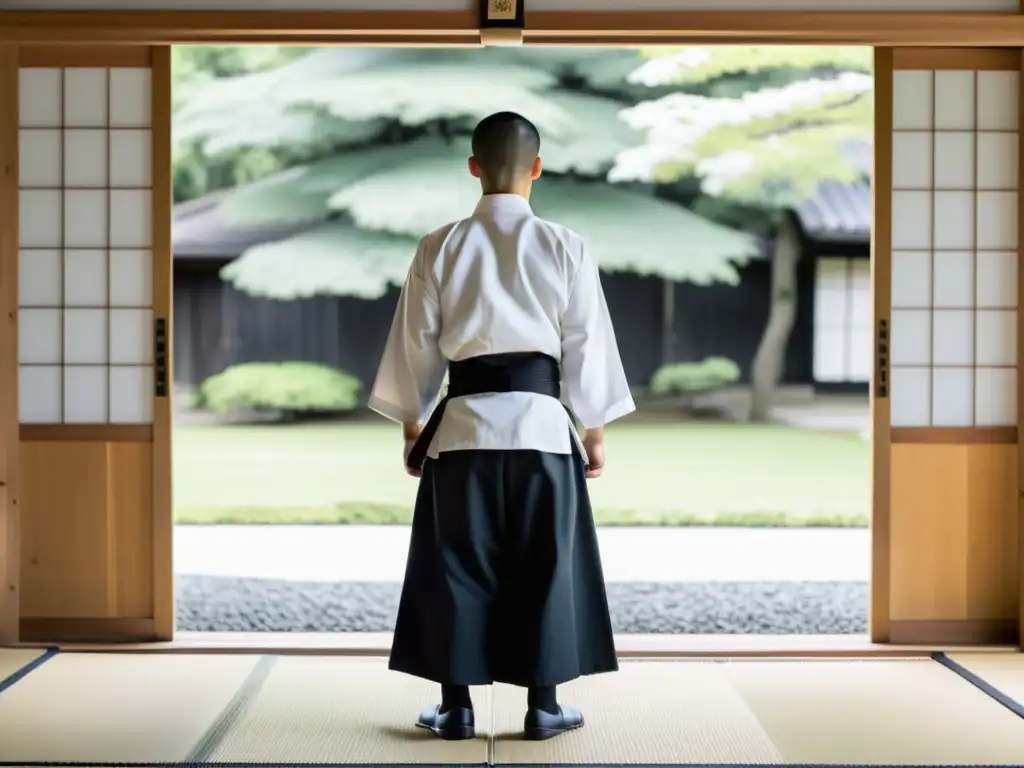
453,696
543,697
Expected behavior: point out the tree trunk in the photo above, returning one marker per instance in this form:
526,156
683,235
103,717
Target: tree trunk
668,321
769,361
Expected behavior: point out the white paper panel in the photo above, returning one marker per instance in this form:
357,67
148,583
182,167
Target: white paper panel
85,278
131,278
997,161
85,157
131,395
85,218
954,279
85,395
997,279
830,309
995,397
39,336
131,218
997,337
85,97
912,100
832,274
911,337
954,160
39,98
954,100
39,278
39,157
861,303
952,337
39,218
911,279
952,397
130,158
130,98
954,220
85,336
998,94
910,397
131,337
39,394
912,160
912,220
861,354
997,221
829,355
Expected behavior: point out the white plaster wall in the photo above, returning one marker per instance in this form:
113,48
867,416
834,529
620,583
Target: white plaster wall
974,6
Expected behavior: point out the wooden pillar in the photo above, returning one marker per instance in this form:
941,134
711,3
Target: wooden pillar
10,535
945,395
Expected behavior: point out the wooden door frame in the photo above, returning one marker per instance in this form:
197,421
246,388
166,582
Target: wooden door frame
443,28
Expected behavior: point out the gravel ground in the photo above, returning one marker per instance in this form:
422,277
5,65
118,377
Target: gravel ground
214,604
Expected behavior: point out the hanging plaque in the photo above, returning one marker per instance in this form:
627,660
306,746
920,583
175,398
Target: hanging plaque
507,14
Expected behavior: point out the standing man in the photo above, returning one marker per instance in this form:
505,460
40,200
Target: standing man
504,581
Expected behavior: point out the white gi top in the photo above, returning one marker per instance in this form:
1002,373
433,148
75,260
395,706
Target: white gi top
502,281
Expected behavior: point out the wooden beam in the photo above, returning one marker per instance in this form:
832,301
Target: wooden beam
543,27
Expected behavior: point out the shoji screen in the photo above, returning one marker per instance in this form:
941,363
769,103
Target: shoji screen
85,258
946,278
93,266
954,248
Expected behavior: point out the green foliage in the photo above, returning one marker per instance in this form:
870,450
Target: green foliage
697,64
774,126
367,250
688,379
335,258
293,387
367,146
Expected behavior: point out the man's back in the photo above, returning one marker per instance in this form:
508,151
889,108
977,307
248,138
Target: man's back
504,277
503,281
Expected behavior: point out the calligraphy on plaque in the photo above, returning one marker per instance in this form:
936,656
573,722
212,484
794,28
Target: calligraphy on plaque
502,13
882,363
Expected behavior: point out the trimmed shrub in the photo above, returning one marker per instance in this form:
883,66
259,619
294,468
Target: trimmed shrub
292,388
687,380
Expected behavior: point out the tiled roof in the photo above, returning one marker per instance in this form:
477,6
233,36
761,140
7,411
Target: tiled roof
837,213
198,231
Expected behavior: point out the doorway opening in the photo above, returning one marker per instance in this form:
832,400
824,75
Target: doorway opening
725,192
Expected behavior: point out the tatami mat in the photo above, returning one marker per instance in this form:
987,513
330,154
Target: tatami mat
14,659
877,712
100,709
650,713
336,710
105,709
1003,671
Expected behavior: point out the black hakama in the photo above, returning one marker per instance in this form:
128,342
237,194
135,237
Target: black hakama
504,581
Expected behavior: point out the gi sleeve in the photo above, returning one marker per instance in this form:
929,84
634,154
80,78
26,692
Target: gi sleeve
412,368
592,372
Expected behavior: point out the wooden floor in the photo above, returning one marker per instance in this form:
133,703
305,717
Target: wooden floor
106,708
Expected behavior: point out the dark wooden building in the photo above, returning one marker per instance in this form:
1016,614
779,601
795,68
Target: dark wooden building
217,326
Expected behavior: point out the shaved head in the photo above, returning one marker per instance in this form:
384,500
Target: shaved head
505,147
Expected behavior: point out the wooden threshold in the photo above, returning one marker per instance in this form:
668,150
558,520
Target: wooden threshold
629,646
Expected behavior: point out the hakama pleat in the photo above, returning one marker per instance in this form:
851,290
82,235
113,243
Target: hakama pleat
504,580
